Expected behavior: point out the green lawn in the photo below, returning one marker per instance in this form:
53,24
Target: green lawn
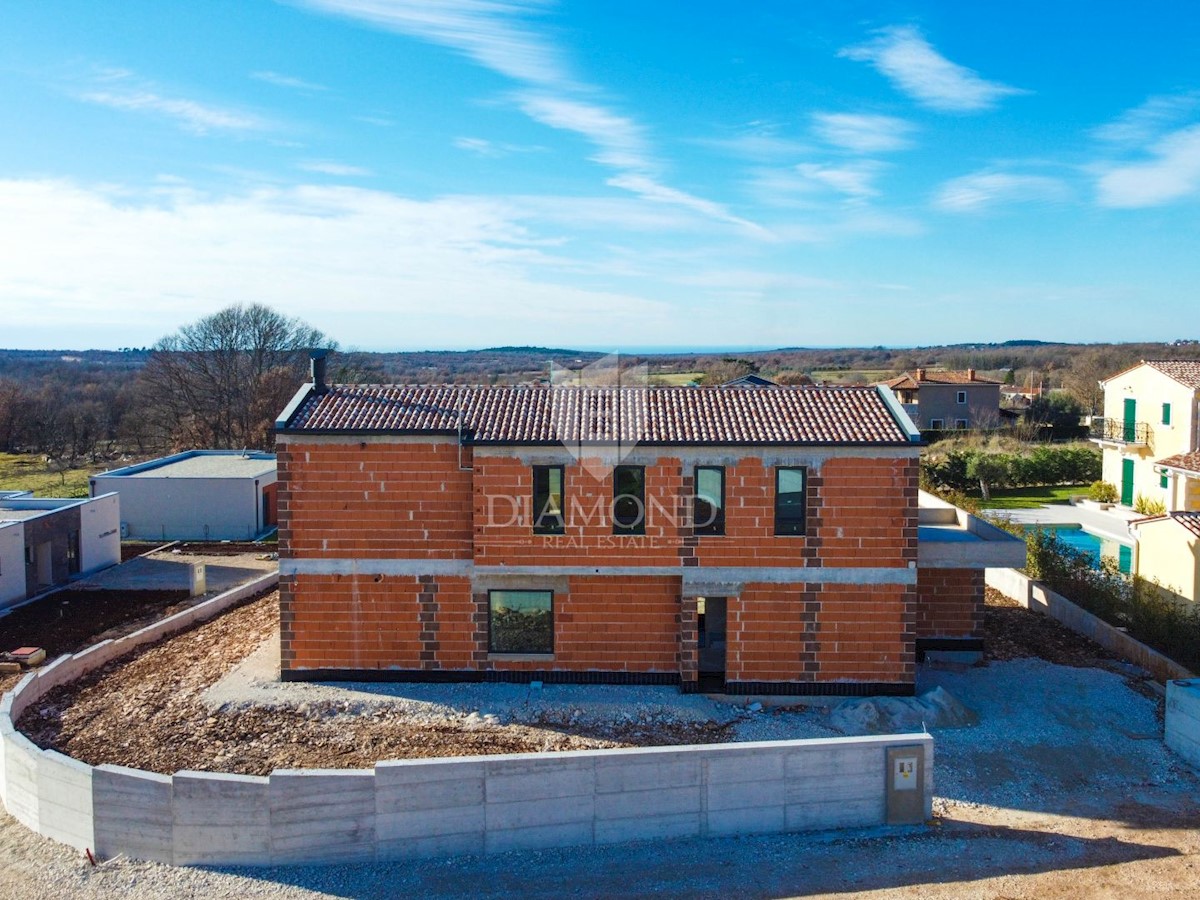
675,379
1031,497
28,472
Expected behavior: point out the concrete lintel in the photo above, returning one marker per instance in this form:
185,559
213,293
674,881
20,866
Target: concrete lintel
403,567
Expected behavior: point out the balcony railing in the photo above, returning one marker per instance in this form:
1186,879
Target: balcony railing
1119,431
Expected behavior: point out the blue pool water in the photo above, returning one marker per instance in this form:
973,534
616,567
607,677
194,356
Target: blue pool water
1095,547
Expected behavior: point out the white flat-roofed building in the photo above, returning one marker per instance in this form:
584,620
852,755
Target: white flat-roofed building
45,542
200,495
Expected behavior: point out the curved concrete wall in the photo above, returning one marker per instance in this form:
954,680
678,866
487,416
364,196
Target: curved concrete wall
418,808
1182,731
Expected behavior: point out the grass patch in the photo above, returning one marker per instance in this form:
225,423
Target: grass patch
852,376
29,472
1031,497
675,379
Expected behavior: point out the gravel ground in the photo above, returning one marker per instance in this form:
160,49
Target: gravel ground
1062,789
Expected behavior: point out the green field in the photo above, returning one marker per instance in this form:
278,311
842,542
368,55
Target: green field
1031,497
852,376
29,472
675,378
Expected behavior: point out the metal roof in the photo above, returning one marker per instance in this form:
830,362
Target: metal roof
504,414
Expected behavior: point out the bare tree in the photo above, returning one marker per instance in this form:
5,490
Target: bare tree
221,381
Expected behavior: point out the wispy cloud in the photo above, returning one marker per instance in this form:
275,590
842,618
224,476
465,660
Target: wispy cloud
853,180
155,259
494,149
328,167
498,35
982,190
1144,123
863,133
287,81
903,55
1172,174
118,89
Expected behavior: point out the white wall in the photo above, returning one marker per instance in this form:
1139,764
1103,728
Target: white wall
100,533
12,564
180,509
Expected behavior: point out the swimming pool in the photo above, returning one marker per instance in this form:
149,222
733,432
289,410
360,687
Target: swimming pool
1075,537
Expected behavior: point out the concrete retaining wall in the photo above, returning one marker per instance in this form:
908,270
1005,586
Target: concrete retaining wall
1039,598
1182,733
420,808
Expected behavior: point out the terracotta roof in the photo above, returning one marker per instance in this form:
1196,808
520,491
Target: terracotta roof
1185,371
916,379
1189,462
505,414
1189,520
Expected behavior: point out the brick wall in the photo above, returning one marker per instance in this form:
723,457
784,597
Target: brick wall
949,603
347,502
402,500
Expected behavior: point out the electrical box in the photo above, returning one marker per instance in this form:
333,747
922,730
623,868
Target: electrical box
905,785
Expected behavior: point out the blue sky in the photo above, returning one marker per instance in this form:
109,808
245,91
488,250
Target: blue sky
410,174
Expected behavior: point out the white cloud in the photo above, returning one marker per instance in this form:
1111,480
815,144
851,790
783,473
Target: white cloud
496,34
368,267
1173,173
982,190
853,180
199,118
287,81
902,55
340,170
863,133
493,149
1144,123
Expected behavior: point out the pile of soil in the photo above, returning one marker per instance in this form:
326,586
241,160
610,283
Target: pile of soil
1010,631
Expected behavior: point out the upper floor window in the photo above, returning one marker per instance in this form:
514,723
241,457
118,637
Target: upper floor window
708,508
937,424
629,500
960,423
791,500
548,500
1166,418
962,397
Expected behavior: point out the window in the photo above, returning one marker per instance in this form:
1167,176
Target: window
790,499
937,424
962,397
521,621
629,500
708,508
960,423
1166,420
548,500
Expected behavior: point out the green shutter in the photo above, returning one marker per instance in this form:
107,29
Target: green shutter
1166,413
1130,422
1162,480
1127,482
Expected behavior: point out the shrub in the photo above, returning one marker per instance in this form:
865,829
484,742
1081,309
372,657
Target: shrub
1149,506
1149,613
1103,492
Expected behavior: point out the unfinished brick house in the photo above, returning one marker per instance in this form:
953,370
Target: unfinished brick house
739,539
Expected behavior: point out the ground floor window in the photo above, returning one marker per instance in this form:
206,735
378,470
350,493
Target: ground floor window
521,621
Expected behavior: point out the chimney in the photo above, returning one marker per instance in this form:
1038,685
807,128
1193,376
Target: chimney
920,374
317,361
970,374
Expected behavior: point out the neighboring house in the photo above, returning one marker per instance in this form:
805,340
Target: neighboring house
736,539
750,380
1149,431
945,400
200,495
1169,552
46,542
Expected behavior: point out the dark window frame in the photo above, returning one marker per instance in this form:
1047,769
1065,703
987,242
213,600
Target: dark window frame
717,526
550,523
492,631
961,397
639,525
787,524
